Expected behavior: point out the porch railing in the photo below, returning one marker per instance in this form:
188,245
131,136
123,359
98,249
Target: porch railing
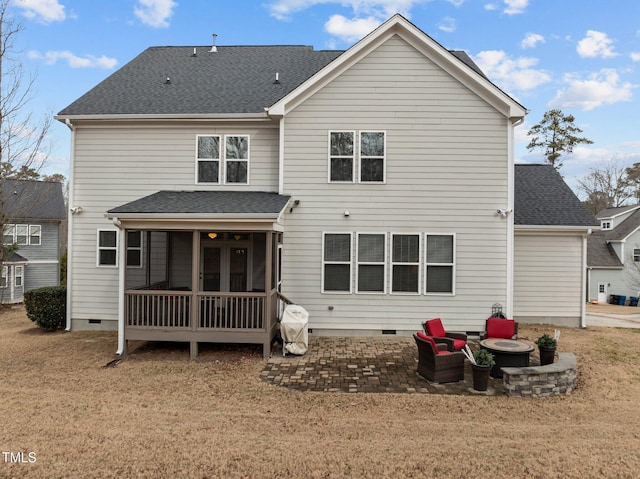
215,311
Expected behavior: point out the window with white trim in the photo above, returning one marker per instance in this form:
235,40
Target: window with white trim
440,263
636,255
371,262
372,156
341,156
134,249
19,276
3,279
107,248
208,158
605,225
336,262
236,157
22,235
35,235
405,263
8,236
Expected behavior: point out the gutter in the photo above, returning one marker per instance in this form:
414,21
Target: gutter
262,116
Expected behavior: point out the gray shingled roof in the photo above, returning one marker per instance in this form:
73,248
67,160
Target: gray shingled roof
235,79
599,251
30,199
205,202
611,212
543,198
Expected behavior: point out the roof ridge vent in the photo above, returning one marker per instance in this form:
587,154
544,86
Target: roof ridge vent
213,46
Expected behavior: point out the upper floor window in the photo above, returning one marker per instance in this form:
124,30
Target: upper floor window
208,159
236,156
372,156
341,156
22,235
440,262
369,157
605,225
107,248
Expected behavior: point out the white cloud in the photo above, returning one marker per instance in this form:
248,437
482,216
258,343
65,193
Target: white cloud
491,7
511,74
456,3
381,9
447,24
74,61
601,88
635,56
595,44
514,7
350,30
45,11
531,40
155,13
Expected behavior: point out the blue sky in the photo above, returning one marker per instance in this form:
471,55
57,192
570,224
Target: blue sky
580,56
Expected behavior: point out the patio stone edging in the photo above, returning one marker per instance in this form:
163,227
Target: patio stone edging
535,381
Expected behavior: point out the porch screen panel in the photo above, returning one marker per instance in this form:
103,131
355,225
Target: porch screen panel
337,262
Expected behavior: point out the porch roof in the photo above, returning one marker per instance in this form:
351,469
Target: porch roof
246,205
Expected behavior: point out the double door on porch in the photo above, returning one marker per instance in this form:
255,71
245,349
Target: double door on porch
226,267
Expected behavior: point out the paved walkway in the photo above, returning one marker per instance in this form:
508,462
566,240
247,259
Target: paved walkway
612,316
373,365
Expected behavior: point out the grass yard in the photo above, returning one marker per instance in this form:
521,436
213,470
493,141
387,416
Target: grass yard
159,415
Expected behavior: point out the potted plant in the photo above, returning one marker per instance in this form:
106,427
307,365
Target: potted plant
547,346
481,367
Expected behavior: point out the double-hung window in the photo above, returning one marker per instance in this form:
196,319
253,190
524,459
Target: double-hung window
636,255
19,276
341,156
22,234
134,249
336,262
372,156
236,156
405,263
35,235
107,248
440,263
9,234
208,158
3,279
371,266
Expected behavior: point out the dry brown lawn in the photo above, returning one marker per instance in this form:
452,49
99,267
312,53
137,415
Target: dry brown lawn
159,415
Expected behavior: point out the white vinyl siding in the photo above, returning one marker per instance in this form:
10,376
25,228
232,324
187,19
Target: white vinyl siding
440,263
337,259
371,265
447,170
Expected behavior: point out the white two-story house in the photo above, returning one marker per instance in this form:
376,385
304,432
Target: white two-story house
372,186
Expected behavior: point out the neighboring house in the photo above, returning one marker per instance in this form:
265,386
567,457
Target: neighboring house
374,187
33,212
614,255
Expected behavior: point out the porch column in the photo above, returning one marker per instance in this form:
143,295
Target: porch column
268,286
195,289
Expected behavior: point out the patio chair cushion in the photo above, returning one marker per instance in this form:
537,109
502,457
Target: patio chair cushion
423,336
500,328
459,344
435,328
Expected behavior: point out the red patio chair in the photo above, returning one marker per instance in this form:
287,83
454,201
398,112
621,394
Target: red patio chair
435,363
434,327
500,328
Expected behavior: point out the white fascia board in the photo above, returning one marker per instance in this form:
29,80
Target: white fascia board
398,25
162,117
536,229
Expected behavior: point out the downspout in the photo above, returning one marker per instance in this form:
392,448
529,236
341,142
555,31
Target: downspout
70,225
121,279
510,218
583,303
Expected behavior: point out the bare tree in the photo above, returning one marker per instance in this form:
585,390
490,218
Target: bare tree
24,140
606,186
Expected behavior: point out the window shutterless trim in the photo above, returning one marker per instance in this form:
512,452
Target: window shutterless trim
32,235
353,157
382,263
25,229
350,262
18,274
134,248
227,160
361,157
106,248
4,279
418,264
452,265
210,160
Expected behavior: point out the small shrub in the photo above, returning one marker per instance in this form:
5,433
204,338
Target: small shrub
47,306
483,358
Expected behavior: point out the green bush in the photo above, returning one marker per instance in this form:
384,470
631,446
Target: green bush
47,307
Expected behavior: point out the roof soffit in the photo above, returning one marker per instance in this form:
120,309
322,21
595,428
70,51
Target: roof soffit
398,25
